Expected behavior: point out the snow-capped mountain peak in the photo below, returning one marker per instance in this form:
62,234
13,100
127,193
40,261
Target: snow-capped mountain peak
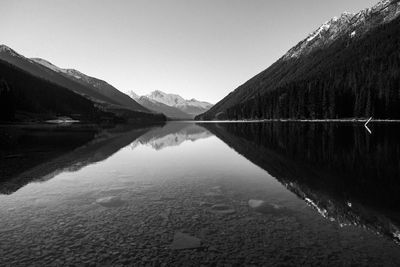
174,100
191,107
167,99
348,24
134,95
331,25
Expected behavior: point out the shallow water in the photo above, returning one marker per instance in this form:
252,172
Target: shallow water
251,193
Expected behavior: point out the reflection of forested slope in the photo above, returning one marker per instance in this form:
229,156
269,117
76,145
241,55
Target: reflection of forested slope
24,147
172,134
344,173
84,148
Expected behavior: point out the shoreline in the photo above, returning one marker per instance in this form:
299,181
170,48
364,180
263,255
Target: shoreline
303,121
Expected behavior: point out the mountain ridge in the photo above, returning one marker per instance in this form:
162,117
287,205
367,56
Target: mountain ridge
173,105
347,23
102,99
171,112
295,80
100,85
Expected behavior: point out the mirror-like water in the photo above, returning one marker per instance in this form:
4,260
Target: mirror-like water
192,194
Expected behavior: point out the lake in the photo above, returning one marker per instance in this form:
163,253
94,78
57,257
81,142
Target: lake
187,194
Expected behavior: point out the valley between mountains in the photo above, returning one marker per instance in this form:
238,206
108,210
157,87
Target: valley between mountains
347,68
35,90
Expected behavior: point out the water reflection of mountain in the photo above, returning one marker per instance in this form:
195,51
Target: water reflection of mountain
39,153
172,134
343,172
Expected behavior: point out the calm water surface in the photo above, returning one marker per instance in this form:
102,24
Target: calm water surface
252,193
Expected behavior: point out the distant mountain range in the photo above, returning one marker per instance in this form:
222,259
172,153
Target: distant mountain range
35,100
172,105
348,67
33,88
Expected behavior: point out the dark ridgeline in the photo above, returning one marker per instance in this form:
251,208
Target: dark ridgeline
37,153
356,75
341,170
36,90
25,97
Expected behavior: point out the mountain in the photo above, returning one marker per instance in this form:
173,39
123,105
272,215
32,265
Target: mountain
90,87
348,67
181,108
95,84
134,95
33,91
192,106
170,112
167,99
27,97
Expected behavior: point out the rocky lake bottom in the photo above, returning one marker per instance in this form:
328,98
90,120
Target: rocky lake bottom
140,227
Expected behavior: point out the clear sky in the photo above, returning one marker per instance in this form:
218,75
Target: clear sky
199,49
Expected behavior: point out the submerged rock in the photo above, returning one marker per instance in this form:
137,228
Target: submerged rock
185,241
165,214
205,204
110,202
163,199
214,195
255,203
222,209
263,207
112,191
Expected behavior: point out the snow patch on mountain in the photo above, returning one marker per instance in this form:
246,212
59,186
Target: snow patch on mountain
348,25
76,74
134,95
324,27
192,106
69,72
175,100
167,99
47,64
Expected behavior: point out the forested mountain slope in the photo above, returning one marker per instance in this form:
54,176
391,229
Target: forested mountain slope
25,97
89,87
96,85
349,67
